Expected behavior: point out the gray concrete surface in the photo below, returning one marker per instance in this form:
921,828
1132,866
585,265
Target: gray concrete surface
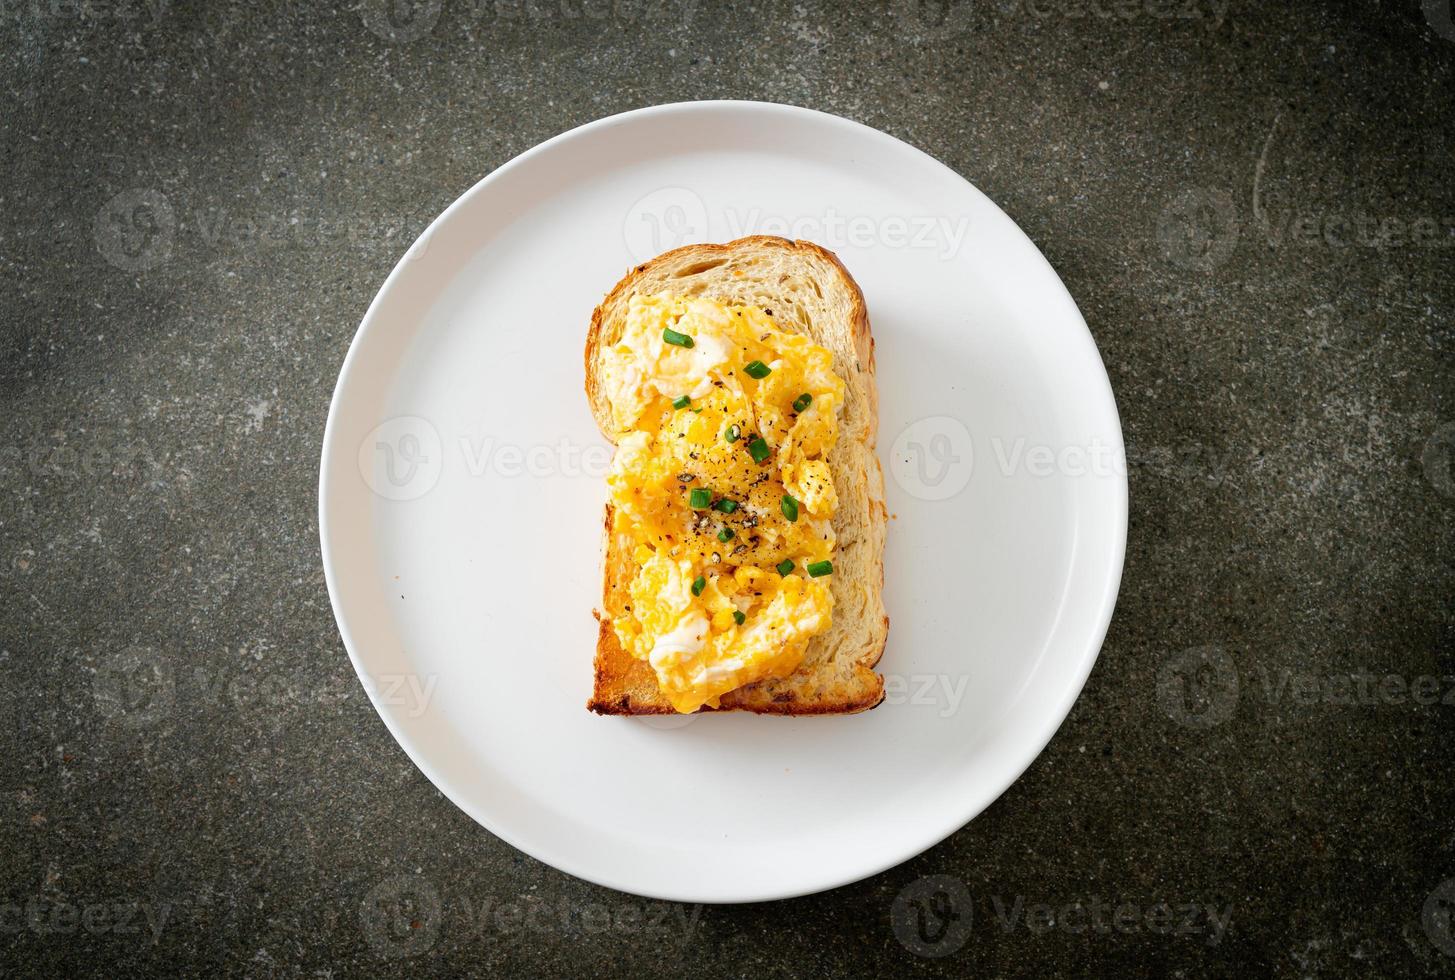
1252,204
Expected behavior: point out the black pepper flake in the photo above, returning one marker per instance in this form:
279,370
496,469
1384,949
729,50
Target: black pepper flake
685,477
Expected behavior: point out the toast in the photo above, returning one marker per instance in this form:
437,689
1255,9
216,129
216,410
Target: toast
813,294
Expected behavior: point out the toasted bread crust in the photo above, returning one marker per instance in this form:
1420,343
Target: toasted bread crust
837,674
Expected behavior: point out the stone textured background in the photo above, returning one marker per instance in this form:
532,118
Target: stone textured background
1252,205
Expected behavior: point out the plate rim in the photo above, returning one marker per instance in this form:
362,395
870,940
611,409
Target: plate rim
1053,719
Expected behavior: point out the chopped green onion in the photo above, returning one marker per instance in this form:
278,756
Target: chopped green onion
789,506
785,566
725,535
725,505
682,402
758,449
676,339
732,433
739,617
820,568
802,401
699,498
757,369
700,583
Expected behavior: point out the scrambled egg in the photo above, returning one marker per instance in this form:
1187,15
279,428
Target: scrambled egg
720,492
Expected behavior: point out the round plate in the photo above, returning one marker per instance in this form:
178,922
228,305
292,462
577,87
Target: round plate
462,485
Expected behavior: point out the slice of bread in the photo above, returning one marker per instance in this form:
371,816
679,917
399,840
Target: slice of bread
809,291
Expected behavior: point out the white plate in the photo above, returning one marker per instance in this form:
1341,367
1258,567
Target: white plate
461,498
